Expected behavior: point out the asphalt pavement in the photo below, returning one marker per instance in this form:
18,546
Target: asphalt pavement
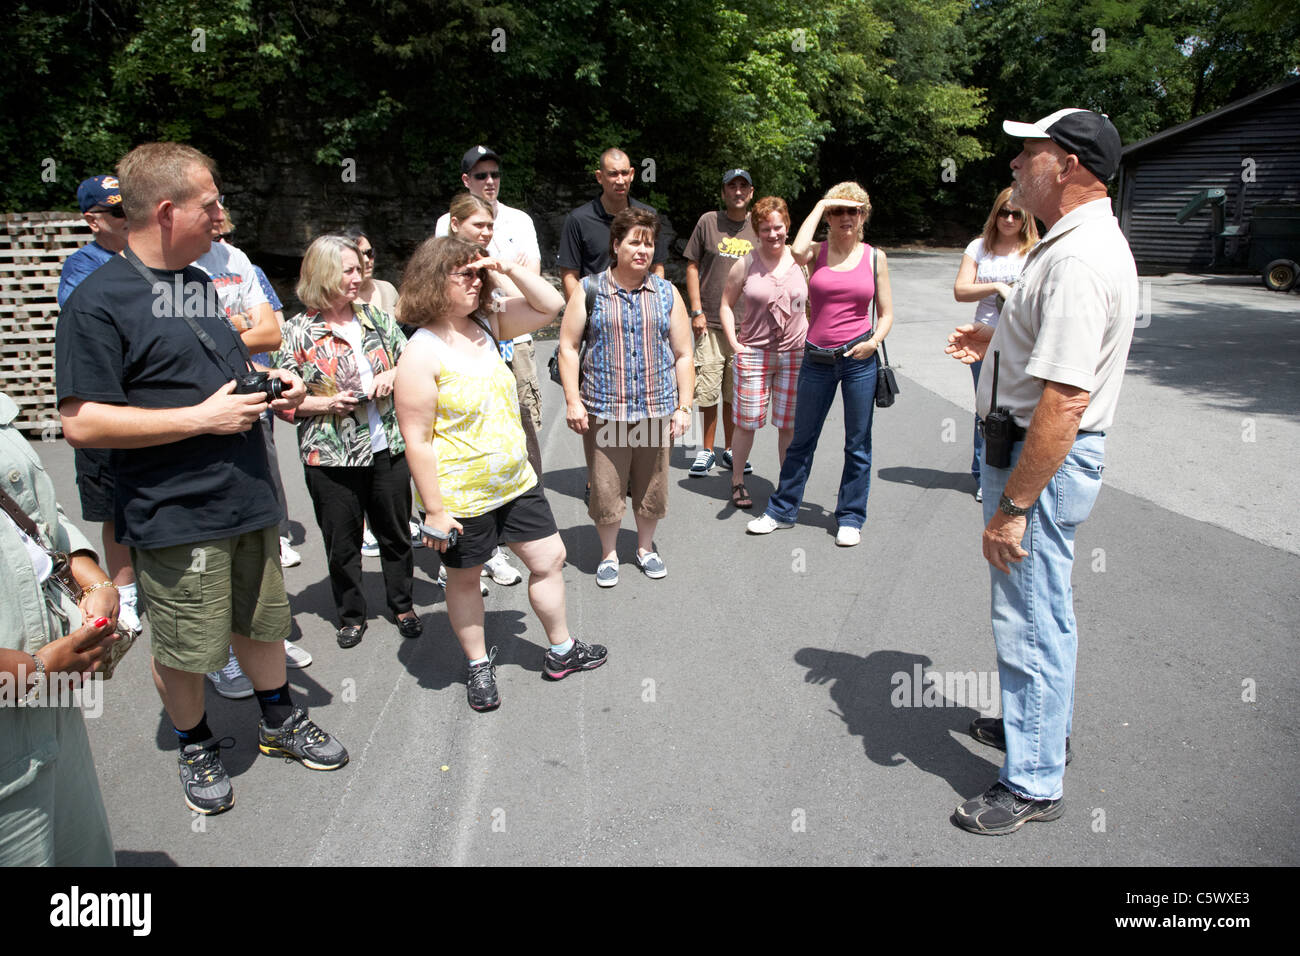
761,704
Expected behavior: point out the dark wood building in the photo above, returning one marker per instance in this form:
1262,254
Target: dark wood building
1250,148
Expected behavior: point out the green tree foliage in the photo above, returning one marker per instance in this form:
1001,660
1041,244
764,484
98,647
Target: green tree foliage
890,92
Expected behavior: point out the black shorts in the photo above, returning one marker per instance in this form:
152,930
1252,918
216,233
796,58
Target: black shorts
526,518
94,483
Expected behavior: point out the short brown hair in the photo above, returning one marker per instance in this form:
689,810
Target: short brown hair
627,220
424,283
321,276
153,172
765,207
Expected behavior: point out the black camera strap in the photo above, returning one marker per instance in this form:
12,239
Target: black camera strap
204,339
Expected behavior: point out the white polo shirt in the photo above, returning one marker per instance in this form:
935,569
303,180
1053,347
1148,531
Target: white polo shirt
1069,320
512,233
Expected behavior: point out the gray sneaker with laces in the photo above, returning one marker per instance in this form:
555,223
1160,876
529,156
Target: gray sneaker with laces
300,739
204,780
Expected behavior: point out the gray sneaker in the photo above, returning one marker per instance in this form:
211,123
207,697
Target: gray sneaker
204,780
607,573
302,740
230,680
652,565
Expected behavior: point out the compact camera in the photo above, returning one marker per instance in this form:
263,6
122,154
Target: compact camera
255,383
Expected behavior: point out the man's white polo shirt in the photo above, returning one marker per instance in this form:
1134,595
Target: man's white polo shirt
1069,320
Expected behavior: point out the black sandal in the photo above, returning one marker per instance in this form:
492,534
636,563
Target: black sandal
740,497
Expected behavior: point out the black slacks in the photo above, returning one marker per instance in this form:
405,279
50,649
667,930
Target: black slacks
380,494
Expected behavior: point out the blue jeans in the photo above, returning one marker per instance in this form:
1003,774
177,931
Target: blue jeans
856,379
978,455
1033,619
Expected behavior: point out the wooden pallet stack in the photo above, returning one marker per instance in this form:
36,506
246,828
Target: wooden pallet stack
33,246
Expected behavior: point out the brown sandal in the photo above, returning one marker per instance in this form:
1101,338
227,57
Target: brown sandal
740,497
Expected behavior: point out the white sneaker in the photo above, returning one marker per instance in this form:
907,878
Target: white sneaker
500,570
230,680
295,656
442,581
289,558
766,524
847,536
369,546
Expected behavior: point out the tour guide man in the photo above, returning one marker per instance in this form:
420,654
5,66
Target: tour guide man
150,374
1063,339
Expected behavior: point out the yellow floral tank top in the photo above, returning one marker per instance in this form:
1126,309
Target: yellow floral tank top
477,435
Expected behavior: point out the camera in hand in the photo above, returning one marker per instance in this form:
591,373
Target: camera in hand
260,383
1000,429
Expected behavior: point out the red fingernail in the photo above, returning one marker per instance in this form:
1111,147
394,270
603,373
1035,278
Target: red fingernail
101,622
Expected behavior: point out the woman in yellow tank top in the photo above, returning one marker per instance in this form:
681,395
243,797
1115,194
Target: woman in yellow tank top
458,411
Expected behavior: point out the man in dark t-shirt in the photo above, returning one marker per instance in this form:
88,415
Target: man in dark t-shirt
147,365
584,244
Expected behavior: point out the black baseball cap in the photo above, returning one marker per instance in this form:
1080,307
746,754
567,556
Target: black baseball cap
1090,136
477,154
731,174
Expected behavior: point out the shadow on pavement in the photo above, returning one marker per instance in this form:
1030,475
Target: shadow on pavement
925,736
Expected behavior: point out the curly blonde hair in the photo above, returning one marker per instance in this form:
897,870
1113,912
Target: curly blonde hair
852,191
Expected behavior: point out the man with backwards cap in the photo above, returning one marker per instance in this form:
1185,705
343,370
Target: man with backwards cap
100,202
1063,340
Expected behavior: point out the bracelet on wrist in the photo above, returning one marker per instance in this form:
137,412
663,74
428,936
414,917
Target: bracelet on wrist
96,587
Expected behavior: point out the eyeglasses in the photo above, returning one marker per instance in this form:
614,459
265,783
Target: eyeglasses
117,212
1015,214
842,211
490,174
469,274
368,253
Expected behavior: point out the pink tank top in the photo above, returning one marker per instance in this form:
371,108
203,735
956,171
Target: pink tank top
841,301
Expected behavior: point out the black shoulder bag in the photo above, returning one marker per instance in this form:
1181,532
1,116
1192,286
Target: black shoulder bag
886,383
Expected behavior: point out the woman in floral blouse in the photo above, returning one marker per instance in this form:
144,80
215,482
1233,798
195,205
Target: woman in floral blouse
352,451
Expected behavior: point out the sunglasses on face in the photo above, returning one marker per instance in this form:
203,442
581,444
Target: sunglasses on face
117,212
368,253
491,174
1015,214
469,275
842,211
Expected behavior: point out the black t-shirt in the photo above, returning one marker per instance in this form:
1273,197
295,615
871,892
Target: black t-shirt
117,343
584,245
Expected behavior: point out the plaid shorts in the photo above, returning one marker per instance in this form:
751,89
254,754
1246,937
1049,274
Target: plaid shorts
761,376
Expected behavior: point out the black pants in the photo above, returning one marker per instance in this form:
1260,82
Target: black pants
381,493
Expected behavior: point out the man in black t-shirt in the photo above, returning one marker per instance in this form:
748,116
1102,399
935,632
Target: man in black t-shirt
584,244
147,365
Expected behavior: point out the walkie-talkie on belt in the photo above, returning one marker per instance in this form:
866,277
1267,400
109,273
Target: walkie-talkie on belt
999,427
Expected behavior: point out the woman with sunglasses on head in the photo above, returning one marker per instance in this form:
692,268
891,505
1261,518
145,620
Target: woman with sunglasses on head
848,278
353,456
374,292
459,411
989,268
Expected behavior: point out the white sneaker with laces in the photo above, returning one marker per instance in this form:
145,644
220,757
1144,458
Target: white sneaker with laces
369,546
847,536
289,558
230,680
295,656
500,570
766,524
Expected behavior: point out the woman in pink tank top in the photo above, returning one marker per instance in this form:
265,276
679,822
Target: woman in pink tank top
848,277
